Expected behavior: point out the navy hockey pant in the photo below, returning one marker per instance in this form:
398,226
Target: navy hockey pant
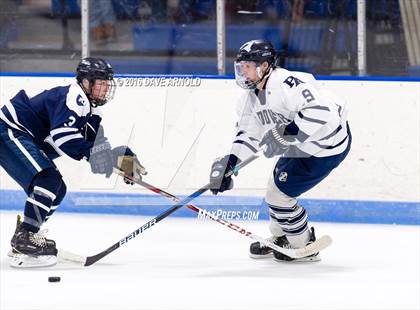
295,176
27,164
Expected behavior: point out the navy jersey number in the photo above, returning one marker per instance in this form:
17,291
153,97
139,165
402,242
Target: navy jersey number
308,95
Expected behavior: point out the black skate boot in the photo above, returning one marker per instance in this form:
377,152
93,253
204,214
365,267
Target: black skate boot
31,249
18,223
258,250
284,243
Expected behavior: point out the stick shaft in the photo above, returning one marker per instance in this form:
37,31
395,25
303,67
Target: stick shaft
315,247
93,259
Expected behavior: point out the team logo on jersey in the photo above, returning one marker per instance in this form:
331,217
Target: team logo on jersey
80,101
283,176
292,81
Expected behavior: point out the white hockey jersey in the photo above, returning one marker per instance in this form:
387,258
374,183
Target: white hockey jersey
316,118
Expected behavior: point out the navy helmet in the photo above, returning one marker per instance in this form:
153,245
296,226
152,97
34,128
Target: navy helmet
258,51
91,68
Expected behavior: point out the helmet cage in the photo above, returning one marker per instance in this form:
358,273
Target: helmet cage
95,102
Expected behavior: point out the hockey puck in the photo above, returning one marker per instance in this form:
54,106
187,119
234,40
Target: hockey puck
54,279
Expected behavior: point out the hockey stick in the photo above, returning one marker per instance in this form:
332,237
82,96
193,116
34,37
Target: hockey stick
315,247
89,260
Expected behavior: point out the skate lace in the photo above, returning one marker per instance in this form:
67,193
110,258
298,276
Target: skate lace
286,245
271,239
38,238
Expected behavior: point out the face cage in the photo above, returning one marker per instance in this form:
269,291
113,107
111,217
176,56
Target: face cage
240,78
112,86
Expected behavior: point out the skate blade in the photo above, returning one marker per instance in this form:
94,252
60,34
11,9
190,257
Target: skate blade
25,261
255,256
11,253
310,259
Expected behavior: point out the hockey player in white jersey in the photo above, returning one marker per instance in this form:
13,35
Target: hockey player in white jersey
292,117
34,131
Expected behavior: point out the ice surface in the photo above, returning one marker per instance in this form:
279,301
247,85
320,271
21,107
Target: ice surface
191,264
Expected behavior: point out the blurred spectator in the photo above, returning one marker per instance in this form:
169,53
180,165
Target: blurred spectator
190,11
144,10
184,12
102,21
159,9
282,9
153,11
8,21
297,10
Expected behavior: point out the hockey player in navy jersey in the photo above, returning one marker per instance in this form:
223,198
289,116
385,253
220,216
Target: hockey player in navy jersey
34,131
292,117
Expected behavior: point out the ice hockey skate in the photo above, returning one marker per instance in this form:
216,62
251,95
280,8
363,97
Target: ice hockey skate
31,249
260,251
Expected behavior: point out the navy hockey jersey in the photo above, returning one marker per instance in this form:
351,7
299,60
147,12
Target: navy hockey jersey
60,120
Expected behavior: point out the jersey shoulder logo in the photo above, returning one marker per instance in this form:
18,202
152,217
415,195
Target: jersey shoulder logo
80,101
293,81
283,176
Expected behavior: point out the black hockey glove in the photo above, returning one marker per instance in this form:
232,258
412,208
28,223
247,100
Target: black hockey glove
101,159
127,161
220,167
275,141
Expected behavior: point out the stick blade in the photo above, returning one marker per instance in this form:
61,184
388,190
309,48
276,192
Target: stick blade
315,247
66,256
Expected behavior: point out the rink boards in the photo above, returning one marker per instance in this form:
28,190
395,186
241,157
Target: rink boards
178,125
